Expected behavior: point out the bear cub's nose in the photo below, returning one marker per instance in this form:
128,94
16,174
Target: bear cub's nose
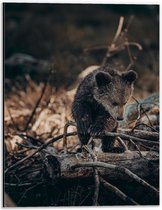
120,118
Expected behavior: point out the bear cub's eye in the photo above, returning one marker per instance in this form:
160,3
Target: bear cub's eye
115,104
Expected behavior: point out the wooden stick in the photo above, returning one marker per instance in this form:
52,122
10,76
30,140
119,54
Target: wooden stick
97,187
143,110
16,128
154,136
96,174
65,135
38,101
119,29
39,149
28,189
130,58
121,169
127,137
122,143
136,147
153,129
134,44
18,185
129,23
118,192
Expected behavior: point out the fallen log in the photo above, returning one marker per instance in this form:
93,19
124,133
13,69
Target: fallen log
145,167
127,169
38,149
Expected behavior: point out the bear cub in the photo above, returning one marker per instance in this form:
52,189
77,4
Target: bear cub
99,104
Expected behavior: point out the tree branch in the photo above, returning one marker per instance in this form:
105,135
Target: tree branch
118,192
121,169
38,150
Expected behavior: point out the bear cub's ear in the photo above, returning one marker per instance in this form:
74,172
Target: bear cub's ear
102,78
130,76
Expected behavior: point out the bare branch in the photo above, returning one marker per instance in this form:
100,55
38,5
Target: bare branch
119,29
65,135
96,174
16,128
130,58
129,22
154,136
122,143
127,137
118,192
97,187
136,147
153,129
134,44
143,110
39,100
121,169
38,150
18,185
30,188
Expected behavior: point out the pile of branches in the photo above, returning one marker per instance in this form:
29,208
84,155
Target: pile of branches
40,147
34,156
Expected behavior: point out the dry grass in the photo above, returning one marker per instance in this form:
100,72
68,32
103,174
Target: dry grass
51,115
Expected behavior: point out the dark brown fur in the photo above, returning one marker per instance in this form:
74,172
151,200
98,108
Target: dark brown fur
99,103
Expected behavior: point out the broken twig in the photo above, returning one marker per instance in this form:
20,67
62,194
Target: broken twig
118,192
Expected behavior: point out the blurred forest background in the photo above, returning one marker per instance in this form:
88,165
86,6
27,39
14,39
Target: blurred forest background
37,36
59,34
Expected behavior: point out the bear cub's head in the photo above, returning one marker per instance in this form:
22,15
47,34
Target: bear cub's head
114,90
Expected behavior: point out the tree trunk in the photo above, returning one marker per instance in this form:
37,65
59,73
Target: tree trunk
146,167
